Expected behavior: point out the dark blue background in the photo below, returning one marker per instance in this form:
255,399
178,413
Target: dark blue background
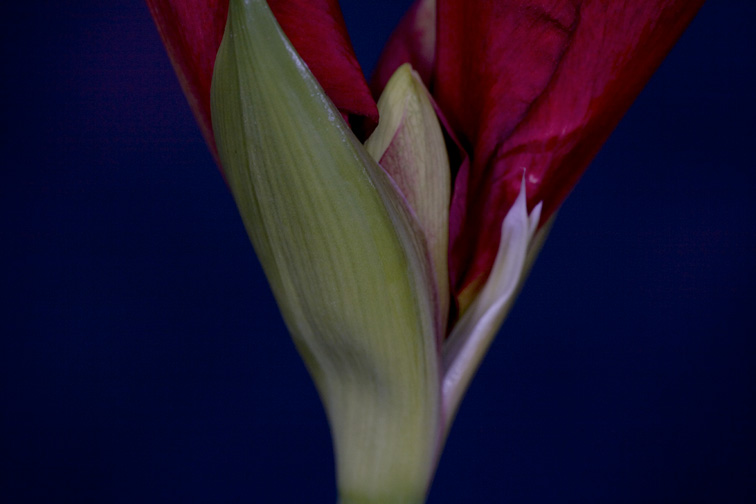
143,359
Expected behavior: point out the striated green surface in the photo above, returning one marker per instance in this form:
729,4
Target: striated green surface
342,254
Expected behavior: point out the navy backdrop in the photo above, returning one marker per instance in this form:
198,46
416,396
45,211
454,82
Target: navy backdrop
143,358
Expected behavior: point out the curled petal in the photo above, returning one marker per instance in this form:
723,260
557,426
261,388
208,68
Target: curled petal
577,68
474,332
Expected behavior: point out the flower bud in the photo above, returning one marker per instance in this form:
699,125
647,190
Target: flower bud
409,145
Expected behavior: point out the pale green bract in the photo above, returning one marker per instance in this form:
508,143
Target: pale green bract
339,250
356,253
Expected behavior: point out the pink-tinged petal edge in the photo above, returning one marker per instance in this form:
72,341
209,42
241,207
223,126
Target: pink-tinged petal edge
535,86
192,31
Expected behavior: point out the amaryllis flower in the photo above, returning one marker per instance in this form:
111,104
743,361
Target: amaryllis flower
395,262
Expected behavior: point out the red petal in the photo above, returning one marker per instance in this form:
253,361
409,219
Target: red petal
413,41
192,31
316,29
539,86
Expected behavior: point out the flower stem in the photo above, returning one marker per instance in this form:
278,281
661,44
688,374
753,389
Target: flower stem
386,498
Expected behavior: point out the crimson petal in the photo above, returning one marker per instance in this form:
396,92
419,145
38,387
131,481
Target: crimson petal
192,31
538,87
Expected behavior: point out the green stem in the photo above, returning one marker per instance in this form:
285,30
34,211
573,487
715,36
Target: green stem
386,498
